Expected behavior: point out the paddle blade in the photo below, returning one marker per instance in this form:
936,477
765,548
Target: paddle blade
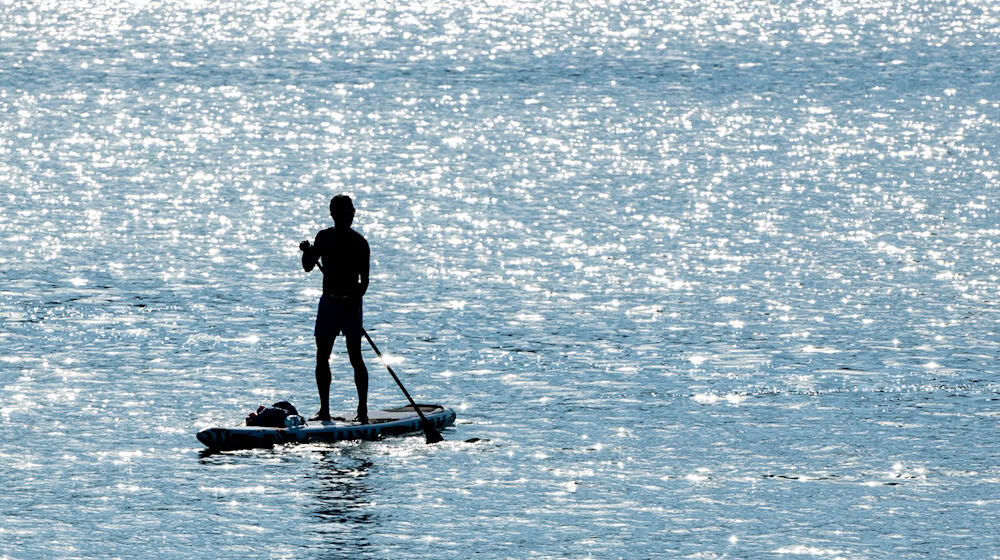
430,434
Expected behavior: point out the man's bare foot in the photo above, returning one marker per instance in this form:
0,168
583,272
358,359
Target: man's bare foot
320,417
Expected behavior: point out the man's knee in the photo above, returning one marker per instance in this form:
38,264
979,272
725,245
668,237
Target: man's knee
354,351
353,342
324,347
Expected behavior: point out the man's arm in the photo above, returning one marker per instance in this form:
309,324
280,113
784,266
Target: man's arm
365,266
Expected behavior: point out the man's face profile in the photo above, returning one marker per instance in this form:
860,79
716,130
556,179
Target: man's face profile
343,216
342,211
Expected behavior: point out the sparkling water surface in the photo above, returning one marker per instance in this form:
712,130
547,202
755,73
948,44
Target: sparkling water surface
701,279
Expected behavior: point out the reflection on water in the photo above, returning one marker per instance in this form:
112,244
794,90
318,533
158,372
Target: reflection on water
344,516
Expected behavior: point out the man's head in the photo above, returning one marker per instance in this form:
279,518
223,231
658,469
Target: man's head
342,211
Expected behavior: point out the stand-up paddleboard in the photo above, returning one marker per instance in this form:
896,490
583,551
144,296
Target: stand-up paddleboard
381,423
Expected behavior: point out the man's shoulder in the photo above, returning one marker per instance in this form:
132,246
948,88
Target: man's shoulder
324,236
358,238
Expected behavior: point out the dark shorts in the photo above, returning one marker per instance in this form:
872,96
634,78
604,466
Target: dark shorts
337,315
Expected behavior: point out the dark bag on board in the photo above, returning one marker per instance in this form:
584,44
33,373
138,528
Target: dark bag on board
272,416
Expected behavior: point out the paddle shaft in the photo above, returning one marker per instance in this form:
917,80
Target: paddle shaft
429,430
430,433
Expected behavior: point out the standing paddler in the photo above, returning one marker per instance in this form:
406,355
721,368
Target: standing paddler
344,255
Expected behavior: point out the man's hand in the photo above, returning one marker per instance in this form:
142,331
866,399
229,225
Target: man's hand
309,256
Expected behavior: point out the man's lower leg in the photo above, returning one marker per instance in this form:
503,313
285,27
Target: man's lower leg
360,379
323,376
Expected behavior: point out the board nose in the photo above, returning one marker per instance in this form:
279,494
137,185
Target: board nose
207,437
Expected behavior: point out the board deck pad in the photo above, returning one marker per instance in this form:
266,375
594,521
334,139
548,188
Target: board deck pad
381,423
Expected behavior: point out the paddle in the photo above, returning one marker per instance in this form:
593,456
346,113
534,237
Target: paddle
430,434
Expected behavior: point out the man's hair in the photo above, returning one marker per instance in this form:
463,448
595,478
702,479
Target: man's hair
340,203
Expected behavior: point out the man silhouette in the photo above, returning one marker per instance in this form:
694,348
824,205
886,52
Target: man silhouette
344,256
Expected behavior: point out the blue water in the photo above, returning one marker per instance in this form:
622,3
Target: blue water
702,279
